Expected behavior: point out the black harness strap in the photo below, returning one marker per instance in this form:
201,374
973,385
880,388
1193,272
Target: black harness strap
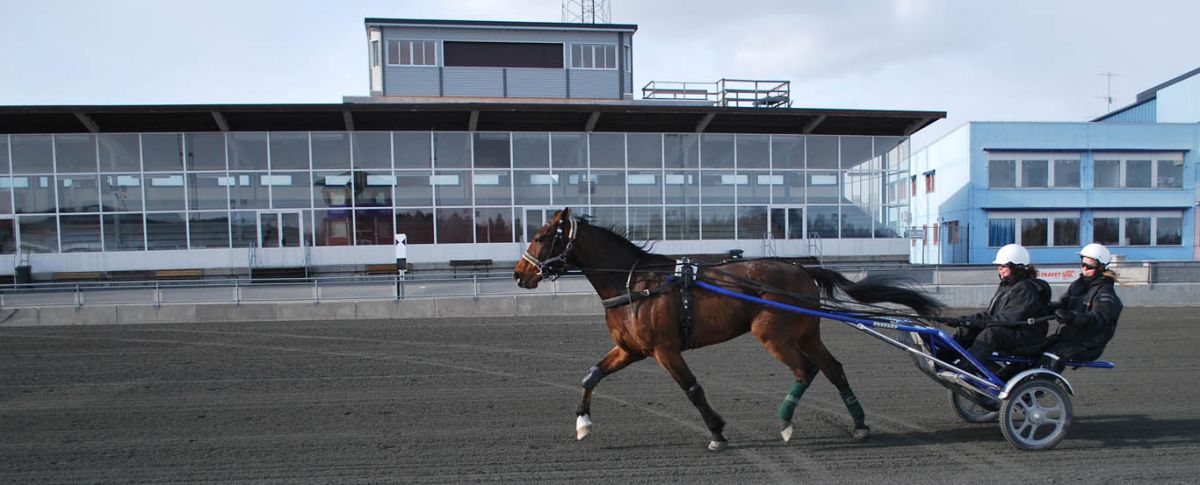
628,298
687,277
685,332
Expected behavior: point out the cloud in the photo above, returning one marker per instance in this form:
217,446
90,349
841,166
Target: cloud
1010,60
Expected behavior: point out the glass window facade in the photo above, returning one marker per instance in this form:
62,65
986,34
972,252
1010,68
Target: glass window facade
1138,228
1170,174
1066,231
175,191
1002,173
1034,173
1066,173
1106,230
1034,229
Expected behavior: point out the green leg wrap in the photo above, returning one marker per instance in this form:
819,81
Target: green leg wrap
856,410
788,408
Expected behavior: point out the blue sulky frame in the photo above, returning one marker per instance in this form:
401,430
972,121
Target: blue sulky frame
982,380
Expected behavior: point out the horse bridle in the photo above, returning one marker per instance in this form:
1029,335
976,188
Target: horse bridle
544,267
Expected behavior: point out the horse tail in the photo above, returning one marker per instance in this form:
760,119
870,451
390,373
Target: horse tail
876,289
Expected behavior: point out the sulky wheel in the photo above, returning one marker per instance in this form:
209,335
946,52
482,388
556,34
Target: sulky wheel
971,411
1036,415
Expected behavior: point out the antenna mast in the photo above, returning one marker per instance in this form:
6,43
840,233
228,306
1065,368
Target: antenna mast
1108,90
586,12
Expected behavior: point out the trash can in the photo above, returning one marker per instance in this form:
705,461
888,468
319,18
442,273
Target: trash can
24,275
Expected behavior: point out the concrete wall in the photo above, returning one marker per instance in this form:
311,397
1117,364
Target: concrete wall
969,296
502,306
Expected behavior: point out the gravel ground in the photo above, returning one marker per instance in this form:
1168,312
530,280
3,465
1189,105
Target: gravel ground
492,400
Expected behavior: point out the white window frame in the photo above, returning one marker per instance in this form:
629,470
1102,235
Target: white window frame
410,44
1049,216
590,50
1123,167
1019,160
1153,215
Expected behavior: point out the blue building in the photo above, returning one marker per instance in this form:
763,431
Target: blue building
1126,180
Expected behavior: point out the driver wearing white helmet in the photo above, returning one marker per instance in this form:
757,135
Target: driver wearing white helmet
1088,311
1005,325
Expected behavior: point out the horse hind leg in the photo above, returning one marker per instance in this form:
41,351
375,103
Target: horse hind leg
673,362
833,371
616,359
779,340
805,374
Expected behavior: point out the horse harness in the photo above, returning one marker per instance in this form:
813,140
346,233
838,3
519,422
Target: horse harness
684,277
543,267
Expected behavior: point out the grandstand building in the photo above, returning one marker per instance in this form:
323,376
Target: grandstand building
473,132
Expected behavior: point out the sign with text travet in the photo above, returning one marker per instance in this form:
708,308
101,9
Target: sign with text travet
1059,275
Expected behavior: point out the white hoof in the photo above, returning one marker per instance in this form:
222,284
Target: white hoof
583,426
717,445
787,433
861,434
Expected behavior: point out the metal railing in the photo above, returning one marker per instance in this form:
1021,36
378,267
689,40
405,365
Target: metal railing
238,291
756,93
439,285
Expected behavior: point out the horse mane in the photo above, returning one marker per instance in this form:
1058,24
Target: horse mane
640,250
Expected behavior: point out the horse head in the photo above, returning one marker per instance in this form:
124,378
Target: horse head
546,256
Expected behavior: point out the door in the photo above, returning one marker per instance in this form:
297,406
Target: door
787,222
279,229
280,239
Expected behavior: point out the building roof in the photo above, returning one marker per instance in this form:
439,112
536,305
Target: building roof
1153,92
460,116
498,24
1149,94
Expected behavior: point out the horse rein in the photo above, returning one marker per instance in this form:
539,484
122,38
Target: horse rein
543,267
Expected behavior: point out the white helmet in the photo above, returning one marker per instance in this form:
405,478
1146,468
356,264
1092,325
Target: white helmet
1012,254
1097,252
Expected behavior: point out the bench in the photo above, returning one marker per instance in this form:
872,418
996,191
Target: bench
386,269
179,274
472,265
78,276
131,275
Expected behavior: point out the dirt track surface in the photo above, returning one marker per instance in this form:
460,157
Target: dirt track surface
492,400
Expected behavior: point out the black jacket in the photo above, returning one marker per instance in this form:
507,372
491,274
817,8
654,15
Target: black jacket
1016,301
1096,307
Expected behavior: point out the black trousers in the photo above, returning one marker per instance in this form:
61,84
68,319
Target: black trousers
981,343
1071,351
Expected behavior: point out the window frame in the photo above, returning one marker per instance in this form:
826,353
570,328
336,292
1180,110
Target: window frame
390,44
588,50
1018,217
1154,215
1051,160
1123,159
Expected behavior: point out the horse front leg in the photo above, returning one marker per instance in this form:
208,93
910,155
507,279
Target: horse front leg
673,362
616,359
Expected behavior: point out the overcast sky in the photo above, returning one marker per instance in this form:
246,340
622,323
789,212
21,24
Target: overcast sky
977,60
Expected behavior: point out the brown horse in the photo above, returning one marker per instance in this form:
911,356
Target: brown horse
650,324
